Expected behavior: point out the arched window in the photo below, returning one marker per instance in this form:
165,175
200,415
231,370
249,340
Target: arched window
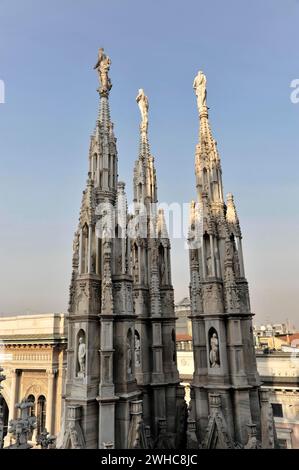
41,414
31,398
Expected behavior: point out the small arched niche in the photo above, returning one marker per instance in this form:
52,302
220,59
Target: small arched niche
129,347
81,353
214,354
137,349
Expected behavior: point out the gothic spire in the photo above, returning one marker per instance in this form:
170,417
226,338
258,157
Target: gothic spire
145,187
103,152
207,161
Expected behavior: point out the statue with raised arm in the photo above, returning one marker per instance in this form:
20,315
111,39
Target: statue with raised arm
142,102
103,66
200,88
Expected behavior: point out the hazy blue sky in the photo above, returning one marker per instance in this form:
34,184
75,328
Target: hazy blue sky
249,52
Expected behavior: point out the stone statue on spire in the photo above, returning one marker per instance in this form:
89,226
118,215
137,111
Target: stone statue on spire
103,66
200,88
142,101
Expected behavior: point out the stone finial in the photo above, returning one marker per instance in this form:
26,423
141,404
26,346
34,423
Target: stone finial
23,426
121,186
162,228
45,440
103,67
231,215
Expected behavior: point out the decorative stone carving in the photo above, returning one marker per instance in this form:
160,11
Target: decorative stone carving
137,350
73,436
45,440
252,442
22,427
103,67
214,348
199,86
129,355
76,244
81,356
212,298
142,101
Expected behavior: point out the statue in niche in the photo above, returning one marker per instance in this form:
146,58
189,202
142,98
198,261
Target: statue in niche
137,350
228,249
199,86
214,350
81,357
103,66
142,101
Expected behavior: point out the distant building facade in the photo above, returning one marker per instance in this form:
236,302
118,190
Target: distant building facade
273,336
182,313
32,355
279,372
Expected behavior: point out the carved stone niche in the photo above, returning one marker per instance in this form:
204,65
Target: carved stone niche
81,354
214,354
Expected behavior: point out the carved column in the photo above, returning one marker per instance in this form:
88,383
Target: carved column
166,266
89,248
15,383
80,251
240,253
50,400
212,256
203,256
98,170
139,264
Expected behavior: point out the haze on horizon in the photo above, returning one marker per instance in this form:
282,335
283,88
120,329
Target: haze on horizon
248,52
